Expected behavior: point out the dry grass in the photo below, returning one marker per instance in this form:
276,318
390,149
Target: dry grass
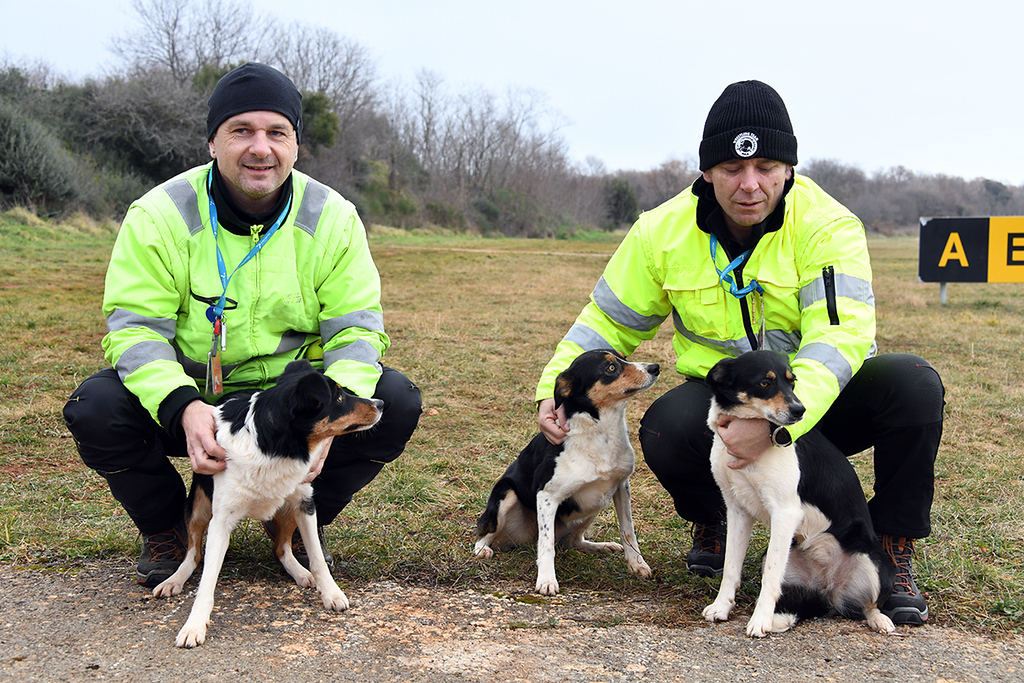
473,321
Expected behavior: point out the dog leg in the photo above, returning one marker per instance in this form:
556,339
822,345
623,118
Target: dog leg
624,512
332,596
198,520
737,540
547,584
784,523
286,521
193,633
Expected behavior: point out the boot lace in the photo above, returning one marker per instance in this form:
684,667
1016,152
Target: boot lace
900,550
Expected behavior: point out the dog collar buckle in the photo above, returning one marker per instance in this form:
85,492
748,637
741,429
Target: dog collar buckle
781,437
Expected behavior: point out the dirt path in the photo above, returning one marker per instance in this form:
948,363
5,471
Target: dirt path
97,625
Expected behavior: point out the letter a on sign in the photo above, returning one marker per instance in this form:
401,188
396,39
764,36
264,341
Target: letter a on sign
954,251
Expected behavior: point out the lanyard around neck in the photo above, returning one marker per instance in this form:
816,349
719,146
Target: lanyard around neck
725,276
215,312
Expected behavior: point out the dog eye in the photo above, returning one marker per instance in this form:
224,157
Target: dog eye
765,383
611,368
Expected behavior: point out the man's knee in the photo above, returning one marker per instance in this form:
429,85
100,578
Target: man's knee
108,423
674,429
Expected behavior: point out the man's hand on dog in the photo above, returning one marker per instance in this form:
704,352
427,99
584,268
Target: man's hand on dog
552,421
205,454
745,439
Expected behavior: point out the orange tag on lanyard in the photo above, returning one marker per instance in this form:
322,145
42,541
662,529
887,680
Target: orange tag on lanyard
214,376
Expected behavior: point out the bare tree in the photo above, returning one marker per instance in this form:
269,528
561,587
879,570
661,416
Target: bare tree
182,36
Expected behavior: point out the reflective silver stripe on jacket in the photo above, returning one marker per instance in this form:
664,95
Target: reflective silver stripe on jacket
847,286
619,312
134,357
290,341
184,197
774,340
313,201
123,319
831,359
360,351
368,320
586,338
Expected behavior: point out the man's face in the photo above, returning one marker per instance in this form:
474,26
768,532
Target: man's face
748,190
255,152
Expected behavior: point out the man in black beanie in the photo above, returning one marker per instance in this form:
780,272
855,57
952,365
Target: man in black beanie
754,256
271,265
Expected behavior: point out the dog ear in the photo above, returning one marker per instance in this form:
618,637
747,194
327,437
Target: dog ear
719,373
312,393
563,388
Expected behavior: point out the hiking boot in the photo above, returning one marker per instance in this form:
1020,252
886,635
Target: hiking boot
298,547
906,605
161,556
707,556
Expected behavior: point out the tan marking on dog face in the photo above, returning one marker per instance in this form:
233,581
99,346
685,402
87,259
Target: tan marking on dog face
361,416
631,380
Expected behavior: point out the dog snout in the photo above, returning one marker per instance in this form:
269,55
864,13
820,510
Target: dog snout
653,369
797,410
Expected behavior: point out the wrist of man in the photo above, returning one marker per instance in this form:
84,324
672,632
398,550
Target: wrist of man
780,436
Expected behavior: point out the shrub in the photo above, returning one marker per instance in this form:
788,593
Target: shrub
34,167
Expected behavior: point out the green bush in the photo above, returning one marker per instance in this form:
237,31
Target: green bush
34,169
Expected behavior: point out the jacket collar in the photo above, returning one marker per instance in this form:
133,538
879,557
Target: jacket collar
238,221
711,218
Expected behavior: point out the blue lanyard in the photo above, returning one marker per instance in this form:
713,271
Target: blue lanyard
726,275
215,313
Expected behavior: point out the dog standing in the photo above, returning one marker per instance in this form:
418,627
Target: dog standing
272,438
552,493
823,554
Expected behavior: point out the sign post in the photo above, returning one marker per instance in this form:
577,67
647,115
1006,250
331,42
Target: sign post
985,249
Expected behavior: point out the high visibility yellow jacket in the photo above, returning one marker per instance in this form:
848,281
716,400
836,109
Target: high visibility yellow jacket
312,292
818,301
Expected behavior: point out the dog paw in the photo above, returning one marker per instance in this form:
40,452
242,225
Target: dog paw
191,635
547,586
717,611
335,600
484,552
760,625
640,568
167,589
880,623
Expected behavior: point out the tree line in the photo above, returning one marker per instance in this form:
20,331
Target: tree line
407,154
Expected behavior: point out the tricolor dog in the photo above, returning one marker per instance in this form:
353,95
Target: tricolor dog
823,556
272,437
553,493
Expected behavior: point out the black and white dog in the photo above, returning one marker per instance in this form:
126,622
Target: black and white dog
272,438
823,555
553,493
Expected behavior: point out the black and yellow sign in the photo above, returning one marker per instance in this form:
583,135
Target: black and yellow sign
972,249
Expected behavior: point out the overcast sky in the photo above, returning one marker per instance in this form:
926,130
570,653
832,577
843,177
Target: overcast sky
934,86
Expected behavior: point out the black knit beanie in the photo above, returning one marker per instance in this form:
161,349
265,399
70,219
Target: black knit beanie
749,119
254,87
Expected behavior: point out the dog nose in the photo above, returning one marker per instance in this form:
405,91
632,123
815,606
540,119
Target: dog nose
653,368
797,410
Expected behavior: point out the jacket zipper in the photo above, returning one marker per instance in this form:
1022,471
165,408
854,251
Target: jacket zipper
748,323
828,275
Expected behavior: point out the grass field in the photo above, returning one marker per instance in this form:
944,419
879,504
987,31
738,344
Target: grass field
473,321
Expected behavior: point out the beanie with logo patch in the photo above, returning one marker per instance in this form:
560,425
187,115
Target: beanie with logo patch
748,120
254,87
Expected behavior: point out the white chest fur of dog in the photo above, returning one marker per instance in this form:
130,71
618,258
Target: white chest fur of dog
295,419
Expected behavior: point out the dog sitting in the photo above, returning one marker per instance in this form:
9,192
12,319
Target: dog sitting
561,489
823,555
272,438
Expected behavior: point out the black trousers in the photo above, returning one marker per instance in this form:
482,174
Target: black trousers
118,439
894,403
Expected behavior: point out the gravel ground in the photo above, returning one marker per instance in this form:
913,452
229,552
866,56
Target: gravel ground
97,625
